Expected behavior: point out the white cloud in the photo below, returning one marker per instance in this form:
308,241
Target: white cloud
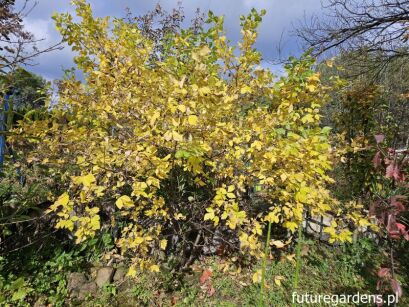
278,22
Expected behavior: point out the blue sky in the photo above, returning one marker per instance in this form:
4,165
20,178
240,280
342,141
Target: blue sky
277,25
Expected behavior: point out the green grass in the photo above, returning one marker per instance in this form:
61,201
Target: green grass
324,270
345,269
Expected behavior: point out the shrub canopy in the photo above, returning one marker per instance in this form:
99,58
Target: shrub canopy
179,147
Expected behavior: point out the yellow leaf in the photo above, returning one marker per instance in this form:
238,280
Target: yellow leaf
192,120
68,224
290,257
278,279
92,211
364,222
94,223
63,199
154,268
272,217
231,195
311,87
182,81
345,235
245,89
177,136
182,108
179,216
131,272
277,243
163,244
290,225
204,91
210,214
283,177
124,201
301,196
307,119
205,50
257,277
154,117
86,180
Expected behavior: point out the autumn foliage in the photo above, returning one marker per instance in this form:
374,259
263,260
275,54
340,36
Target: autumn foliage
167,154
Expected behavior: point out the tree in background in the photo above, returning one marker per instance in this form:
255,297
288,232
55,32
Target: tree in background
18,45
159,25
376,27
362,105
27,89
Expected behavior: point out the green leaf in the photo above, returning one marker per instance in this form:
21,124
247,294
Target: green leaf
20,294
182,154
18,283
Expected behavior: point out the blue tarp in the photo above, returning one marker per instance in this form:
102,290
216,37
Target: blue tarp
3,120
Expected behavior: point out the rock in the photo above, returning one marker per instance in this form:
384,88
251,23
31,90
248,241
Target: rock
126,285
104,276
90,288
119,274
93,272
41,302
76,280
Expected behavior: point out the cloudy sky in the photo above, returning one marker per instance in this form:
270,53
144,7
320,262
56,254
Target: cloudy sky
275,31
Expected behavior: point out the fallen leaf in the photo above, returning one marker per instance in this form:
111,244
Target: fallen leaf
290,257
211,290
305,250
205,276
277,243
278,279
257,277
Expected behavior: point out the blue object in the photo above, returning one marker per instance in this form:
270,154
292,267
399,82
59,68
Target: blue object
3,117
3,143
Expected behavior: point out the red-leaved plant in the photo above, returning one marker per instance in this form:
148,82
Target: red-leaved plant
389,204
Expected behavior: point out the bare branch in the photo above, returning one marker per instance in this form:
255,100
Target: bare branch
374,26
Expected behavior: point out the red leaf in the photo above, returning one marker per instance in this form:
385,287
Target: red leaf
205,276
396,230
377,161
383,272
397,204
379,138
403,231
396,287
392,171
392,228
401,227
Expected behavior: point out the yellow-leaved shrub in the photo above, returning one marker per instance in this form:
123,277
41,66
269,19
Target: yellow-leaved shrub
177,147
